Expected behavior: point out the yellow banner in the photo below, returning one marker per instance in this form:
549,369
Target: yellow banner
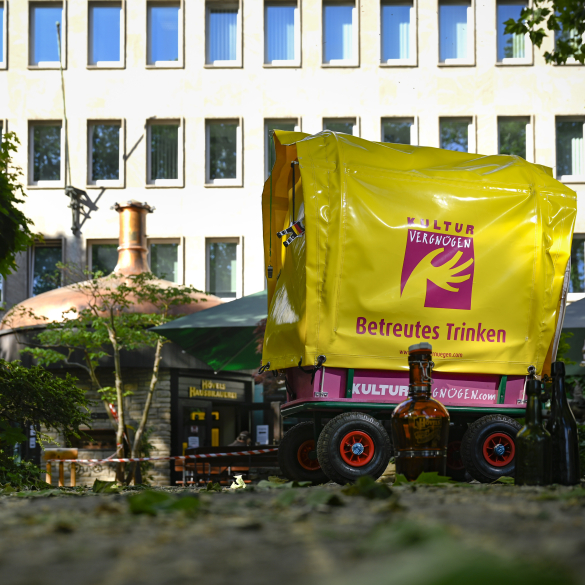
406,244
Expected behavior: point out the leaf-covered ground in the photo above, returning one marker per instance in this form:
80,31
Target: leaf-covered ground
280,535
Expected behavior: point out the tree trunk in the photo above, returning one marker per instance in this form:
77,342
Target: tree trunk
121,413
142,426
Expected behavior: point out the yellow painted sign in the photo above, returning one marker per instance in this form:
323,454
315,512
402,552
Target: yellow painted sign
199,393
405,244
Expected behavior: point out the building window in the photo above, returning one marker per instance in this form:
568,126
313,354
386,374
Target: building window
269,150
455,32
45,156
282,38
3,35
165,153
46,275
343,125
164,260
44,46
224,268
577,280
104,257
105,160
511,48
457,134
340,34
398,37
224,147
224,35
512,136
164,35
106,45
570,151
568,36
399,131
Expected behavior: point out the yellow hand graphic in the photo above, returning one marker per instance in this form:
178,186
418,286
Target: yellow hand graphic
440,275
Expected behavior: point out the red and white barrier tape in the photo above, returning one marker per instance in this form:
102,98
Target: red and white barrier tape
177,457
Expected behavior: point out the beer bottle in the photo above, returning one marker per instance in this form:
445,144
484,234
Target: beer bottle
563,430
533,443
420,424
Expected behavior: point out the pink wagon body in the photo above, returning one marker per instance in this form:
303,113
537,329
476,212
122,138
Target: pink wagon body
389,387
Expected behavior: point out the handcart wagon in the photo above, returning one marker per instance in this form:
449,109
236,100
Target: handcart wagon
372,247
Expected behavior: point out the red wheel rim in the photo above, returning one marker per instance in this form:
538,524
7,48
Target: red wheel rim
357,448
454,460
499,449
304,456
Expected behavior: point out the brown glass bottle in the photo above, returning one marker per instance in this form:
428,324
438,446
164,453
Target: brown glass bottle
420,424
562,427
533,443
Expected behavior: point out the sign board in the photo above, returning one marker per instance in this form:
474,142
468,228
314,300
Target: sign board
204,388
262,434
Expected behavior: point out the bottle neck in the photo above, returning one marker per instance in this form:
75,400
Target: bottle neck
559,395
533,411
415,391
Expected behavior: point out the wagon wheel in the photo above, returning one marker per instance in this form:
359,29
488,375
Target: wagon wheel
488,447
297,455
353,444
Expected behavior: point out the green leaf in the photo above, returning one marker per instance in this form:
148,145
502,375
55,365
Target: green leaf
105,487
323,497
239,484
505,480
368,487
152,502
10,435
278,485
213,487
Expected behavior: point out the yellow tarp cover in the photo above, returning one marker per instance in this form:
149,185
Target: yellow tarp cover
405,244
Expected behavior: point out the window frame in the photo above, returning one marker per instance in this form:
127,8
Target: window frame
180,63
237,63
180,254
31,184
110,184
344,119
471,131
569,178
4,25
355,62
48,64
529,134
528,46
414,138
239,180
268,138
48,243
107,64
413,61
296,62
239,260
179,182
573,297
97,242
470,60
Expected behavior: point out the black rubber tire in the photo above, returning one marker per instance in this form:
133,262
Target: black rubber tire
456,472
288,449
472,447
330,440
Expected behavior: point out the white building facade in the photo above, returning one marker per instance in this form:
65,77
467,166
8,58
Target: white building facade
172,102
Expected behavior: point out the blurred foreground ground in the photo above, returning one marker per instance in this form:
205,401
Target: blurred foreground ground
430,535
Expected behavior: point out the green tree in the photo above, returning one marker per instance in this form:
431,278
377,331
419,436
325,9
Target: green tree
107,326
15,234
34,396
564,18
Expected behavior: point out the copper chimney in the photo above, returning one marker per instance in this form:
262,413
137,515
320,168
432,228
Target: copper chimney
132,251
